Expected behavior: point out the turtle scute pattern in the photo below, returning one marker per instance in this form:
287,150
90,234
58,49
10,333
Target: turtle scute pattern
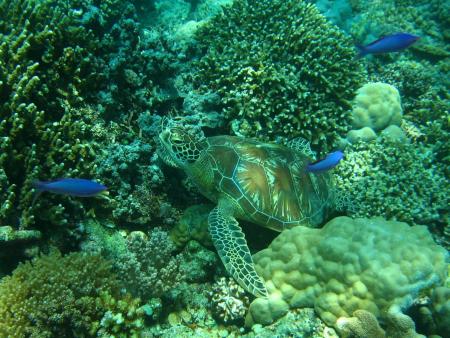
268,182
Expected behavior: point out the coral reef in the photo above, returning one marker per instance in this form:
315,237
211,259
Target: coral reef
148,267
367,20
348,265
133,181
54,58
377,106
394,180
278,77
198,263
229,301
148,263
193,224
427,19
441,308
65,296
436,316
296,323
362,324
424,90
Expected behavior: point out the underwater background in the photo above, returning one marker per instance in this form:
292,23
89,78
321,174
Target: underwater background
85,87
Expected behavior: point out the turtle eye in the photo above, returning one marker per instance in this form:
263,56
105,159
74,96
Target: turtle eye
177,141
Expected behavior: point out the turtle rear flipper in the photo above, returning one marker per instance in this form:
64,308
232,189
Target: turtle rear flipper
230,243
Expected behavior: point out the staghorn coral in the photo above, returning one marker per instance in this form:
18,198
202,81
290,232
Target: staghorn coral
395,180
65,297
50,67
348,265
279,76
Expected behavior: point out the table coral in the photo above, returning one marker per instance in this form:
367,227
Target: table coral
66,296
348,265
280,69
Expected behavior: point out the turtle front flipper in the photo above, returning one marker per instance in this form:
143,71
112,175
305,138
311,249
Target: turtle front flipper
230,243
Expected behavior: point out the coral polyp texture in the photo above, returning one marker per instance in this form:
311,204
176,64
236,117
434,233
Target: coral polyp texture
45,57
148,266
348,265
75,295
229,302
399,180
377,106
280,69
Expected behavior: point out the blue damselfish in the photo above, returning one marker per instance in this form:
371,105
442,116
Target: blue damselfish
70,186
329,162
389,43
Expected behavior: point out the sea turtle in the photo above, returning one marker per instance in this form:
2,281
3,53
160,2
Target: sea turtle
263,183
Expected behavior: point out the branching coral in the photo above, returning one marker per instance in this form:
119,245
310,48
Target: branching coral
58,62
148,267
137,189
280,69
65,297
49,68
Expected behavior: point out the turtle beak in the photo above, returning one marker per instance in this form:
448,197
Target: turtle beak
163,137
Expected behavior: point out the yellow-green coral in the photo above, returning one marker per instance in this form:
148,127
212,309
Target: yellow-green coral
281,70
44,58
55,296
348,265
193,224
361,324
376,105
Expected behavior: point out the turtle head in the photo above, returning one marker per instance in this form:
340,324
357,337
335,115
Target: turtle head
180,145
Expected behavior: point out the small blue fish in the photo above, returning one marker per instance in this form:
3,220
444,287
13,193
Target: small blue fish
389,43
329,162
70,186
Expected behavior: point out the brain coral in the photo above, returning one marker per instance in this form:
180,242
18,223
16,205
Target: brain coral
280,69
348,265
377,106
